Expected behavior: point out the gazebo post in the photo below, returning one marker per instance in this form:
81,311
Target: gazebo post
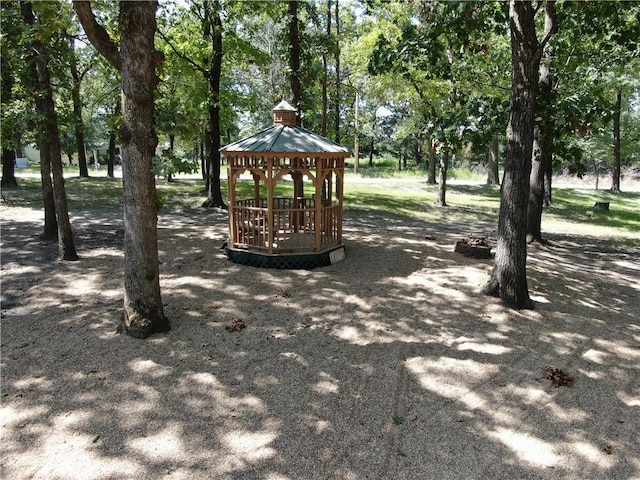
340,199
270,187
319,181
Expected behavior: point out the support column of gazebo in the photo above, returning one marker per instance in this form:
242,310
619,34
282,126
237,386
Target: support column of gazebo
272,230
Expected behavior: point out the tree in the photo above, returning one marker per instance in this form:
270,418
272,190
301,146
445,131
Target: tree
493,163
49,137
337,83
543,136
11,118
77,76
442,57
136,60
209,13
294,57
212,23
509,276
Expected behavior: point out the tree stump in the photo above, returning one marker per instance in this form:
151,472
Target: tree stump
601,207
476,247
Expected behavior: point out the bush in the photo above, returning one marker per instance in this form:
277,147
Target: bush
169,164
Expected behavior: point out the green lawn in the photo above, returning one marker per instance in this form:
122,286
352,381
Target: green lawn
406,197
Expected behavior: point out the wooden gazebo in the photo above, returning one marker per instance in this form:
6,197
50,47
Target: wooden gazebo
270,228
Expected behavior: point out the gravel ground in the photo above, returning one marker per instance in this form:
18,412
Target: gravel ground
388,365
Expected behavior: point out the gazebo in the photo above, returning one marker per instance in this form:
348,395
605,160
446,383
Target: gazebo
276,225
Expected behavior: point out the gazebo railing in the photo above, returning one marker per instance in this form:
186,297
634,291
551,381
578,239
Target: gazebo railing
295,226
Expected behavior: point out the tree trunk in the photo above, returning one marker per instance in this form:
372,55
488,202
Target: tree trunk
50,222
294,58
136,60
77,114
111,160
8,146
536,191
143,309
325,76
615,173
48,126
214,191
442,180
204,165
8,168
493,177
548,173
542,152
431,179
509,276
336,107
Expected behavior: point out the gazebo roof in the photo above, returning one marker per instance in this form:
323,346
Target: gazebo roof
285,136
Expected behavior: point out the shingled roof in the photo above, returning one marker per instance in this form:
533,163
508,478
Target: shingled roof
284,137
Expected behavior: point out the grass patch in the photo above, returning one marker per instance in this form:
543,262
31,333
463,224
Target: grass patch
416,199
576,206
398,198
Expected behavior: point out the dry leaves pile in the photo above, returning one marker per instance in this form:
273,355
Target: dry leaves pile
558,377
236,325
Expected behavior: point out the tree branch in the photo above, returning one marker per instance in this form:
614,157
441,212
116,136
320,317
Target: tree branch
183,56
550,27
97,34
550,23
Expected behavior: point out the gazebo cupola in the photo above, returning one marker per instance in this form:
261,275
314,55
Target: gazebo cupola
285,196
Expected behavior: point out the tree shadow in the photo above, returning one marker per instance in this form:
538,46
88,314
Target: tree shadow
389,364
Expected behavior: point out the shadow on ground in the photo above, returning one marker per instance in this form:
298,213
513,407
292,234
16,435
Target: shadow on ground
388,365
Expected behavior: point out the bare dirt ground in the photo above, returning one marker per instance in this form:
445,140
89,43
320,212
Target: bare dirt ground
388,365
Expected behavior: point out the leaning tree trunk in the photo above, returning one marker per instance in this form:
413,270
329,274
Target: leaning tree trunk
48,126
615,173
509,276
214,191
442,179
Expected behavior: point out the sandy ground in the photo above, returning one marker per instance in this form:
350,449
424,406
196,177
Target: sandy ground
388,365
